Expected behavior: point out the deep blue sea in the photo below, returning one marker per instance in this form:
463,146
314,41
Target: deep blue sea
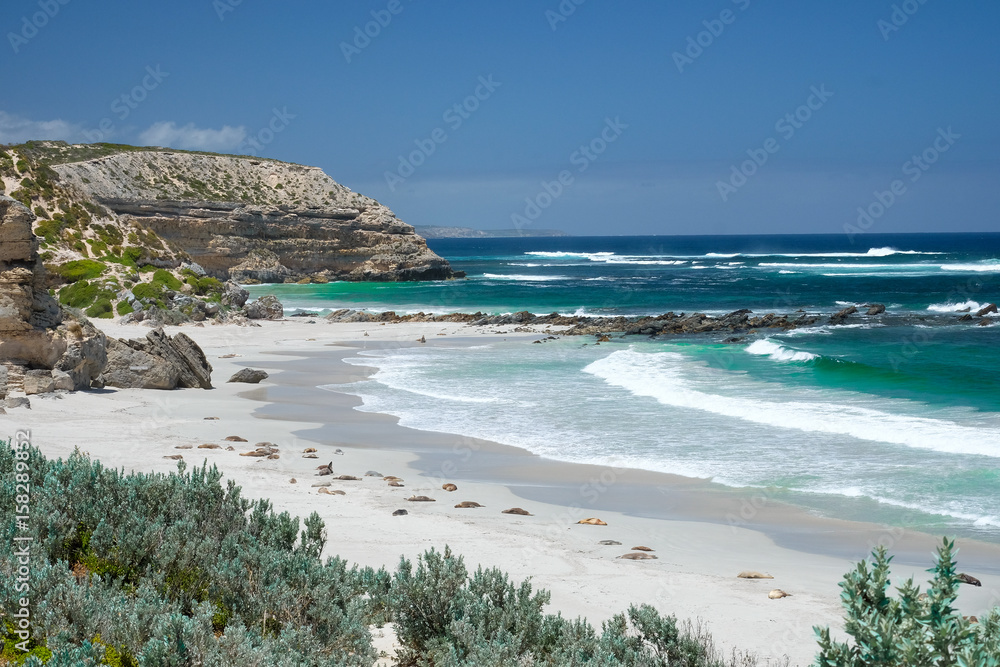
892,419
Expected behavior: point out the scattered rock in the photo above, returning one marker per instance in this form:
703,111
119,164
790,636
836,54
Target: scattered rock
777,594
210,445
449,487
217,419
248,376
420,499
467,504
969,579
17,402
400,513
38,382
234,295
641,549
233,438
749,574
638,555
604,338
317,485
841,316
983,312
876,309
592,522
518,511
158,362
62,381
965,318
266,307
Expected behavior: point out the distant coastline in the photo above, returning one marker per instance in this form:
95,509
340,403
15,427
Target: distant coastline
438,232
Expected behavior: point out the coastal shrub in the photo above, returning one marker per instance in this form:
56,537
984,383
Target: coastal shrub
124,307
149,292
102,309
177,569
80,294
915,628
81,269
167,279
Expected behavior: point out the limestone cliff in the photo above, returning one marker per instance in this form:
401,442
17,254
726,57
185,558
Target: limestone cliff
252,219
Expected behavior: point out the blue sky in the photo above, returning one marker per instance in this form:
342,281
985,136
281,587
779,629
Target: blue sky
590,116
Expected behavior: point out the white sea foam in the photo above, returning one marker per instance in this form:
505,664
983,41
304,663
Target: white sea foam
984,267
522,277
766,347
954,307
661,376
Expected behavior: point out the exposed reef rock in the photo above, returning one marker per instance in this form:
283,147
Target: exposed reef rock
254,220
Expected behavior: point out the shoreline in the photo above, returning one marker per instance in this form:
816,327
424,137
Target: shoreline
698,559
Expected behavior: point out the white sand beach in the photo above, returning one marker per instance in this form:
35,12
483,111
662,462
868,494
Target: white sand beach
700,548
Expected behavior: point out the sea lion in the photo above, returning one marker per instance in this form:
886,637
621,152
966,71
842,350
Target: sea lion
256,452
293,481
349,478
400,513
372,473
175,457
211,419
338,452
449,487
420,499
274,456
517,510
392,478
324,490
319,484
325,469
234,438
230,448
183,447
969,579
209,445
610,543
467,504
749,574
309,450
592,522
638,555
309,456
777,594
641,549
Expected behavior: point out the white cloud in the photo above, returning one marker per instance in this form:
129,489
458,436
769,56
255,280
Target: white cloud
15,129
189,137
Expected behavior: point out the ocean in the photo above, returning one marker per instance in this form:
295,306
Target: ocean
893,419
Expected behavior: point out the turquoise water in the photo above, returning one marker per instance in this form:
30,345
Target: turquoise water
893,419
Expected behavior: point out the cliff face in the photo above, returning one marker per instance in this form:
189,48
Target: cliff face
254,220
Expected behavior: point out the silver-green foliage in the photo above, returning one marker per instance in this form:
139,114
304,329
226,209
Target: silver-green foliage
914,629
176,570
